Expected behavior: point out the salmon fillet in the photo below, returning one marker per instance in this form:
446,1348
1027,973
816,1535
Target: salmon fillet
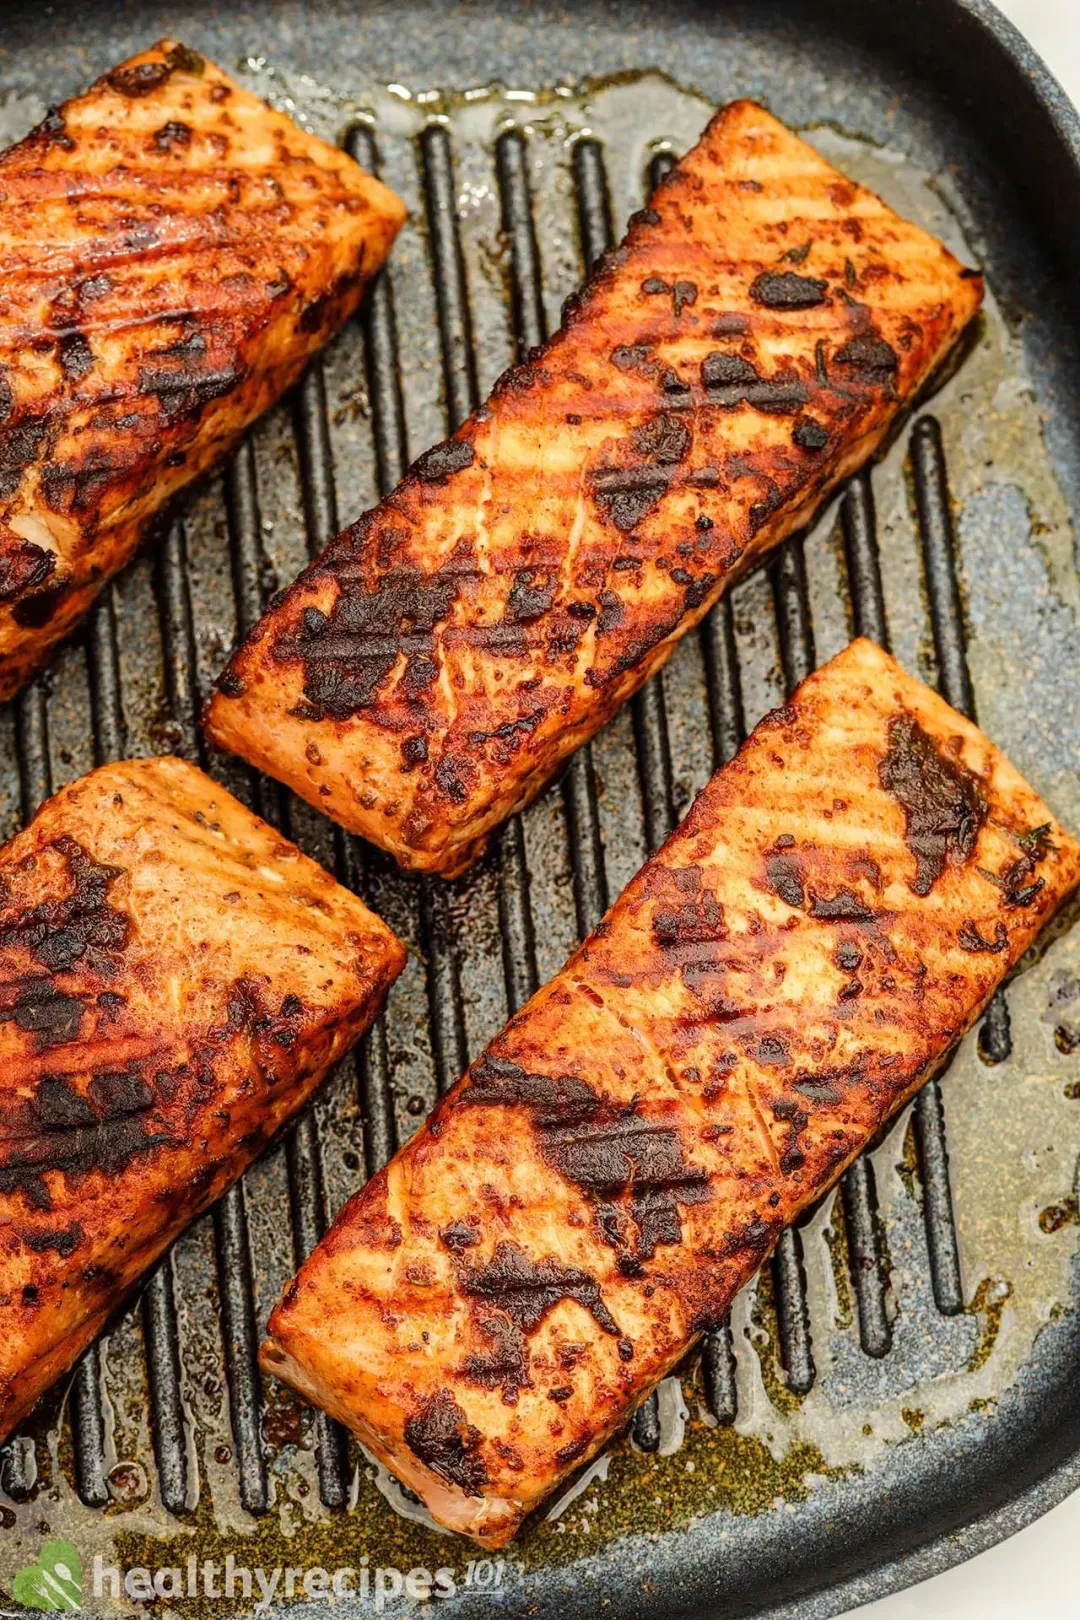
173,252
175,981
801,955
745,349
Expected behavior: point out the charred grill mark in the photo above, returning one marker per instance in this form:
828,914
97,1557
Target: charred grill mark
551,1099
182,383
528,1289
19,445
459,1235
348,654
783,289
943,809
729,381
697,920
1015,883
440,1437
627,494
633,1170
83,926
531,596
52,131
505,1363
664,438
40,1009
61,1130
75,355
521,1291
787,1111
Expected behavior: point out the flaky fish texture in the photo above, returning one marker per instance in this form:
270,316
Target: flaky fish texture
173,252
746,348
175,980
839,905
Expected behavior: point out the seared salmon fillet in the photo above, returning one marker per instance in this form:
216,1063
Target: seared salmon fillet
801,955
175,981
745,349
173,252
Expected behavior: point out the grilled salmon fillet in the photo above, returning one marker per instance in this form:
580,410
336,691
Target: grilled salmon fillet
839,905
173,252
746,348
175,980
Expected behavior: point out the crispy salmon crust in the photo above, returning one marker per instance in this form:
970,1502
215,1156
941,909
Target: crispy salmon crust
745,349
801,955
173,252
175,980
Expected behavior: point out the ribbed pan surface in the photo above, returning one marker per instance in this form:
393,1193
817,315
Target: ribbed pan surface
809,1440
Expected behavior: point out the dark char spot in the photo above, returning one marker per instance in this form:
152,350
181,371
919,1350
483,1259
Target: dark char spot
784,876
52,131
969,939
19,443
943,809
810,435
62,1130
25,567
843,906
172,134
867,359
60,933
436,465
524,1290
527,1289
440,1437
530,596
65,1240
459,1235
783,289
138,78
75,355
628,494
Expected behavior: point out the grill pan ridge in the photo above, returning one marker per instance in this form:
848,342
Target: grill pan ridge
225,1448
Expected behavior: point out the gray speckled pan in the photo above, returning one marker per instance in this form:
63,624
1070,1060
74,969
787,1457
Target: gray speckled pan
899,1390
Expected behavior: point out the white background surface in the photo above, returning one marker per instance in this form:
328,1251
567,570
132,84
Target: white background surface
1036,1574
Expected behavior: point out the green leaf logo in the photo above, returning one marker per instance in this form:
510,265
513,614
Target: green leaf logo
54,1582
